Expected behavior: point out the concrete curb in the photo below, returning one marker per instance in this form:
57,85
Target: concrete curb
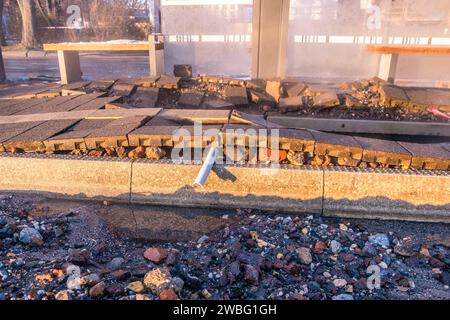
346,192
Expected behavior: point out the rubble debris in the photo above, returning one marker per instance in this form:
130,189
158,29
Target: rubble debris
236,95
304,257
290,104
294,89
183,71
273,88
326,100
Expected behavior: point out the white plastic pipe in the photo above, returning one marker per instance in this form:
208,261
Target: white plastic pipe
207,167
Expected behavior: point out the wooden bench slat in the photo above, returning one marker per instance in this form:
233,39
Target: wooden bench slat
96,47
408,49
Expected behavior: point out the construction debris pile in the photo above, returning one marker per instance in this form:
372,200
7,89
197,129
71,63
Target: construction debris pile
139,118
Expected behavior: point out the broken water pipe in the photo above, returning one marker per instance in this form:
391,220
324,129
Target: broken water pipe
208,164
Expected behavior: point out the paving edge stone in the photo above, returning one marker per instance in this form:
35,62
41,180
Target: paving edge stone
380,194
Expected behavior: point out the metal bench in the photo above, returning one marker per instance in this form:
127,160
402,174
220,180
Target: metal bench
69,59
390,53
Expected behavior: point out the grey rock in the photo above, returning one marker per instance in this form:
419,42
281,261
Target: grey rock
116,263
335,246
29,235
203,239
380,239
304,255
343,297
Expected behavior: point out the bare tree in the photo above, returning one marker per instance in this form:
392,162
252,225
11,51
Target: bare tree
2,33
29,23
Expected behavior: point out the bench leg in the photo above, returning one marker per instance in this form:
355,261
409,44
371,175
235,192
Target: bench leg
156,56
69,66
388,67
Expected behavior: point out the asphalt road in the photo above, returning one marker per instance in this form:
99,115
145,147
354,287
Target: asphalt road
19,66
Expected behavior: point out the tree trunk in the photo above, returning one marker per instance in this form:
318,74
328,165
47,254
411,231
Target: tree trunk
29,23
2,67
2,33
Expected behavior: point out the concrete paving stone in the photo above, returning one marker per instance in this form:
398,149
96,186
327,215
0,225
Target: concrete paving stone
168,82
153,136
335,145
425,98
79,101
236,95
385,152
229,186
216,103
290,104
88,124
123,89
115,133
65,177
100,85
76,85
145,97
24,126
262,98
197,138
6,135
392,96
294,88
159,120
98,103
391,194
327,99
191,98
68,141
61,104
295,140
244,135
47,106
246,118
191,115
427,156
147,82
24,91
119,114
33,139
273,88
21,105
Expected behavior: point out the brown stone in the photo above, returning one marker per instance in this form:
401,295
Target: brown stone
121,275
326,100
136,287
115,289
320,247
168,294
138,153
156,255
304,255
98,291
63,296
154,153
